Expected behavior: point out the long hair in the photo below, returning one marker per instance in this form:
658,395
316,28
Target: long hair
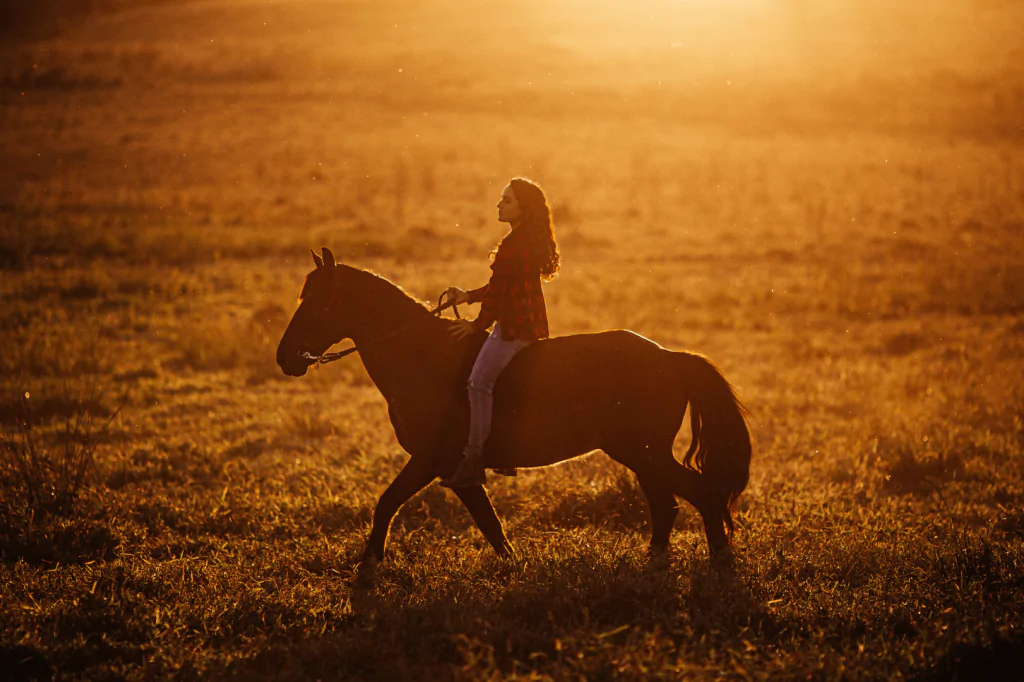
538,225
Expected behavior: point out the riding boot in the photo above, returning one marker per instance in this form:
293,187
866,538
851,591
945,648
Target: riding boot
470,472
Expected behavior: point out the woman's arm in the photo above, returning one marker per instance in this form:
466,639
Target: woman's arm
476,295
491,303
489,294
457,296
495,293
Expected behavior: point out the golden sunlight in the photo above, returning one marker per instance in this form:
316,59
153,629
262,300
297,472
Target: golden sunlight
735,390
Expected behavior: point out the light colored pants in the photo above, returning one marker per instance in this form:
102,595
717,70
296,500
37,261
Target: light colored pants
493,358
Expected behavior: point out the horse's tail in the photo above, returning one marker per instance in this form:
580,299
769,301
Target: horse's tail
720,448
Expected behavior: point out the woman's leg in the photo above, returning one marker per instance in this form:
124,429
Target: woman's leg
492,359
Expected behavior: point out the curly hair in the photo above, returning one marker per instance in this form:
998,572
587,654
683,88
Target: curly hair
539,226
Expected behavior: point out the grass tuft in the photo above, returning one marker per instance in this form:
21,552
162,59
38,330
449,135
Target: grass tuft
48,471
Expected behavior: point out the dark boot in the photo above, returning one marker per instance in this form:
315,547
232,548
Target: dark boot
470,472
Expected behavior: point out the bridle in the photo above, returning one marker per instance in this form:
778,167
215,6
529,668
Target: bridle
325,357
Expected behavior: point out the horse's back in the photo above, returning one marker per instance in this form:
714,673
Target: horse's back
581,362
571,394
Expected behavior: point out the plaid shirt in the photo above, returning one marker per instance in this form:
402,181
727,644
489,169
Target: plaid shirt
512,297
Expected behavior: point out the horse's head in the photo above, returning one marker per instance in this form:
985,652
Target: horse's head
320,321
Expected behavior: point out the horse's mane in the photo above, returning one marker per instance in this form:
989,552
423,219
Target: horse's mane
308,283
382,289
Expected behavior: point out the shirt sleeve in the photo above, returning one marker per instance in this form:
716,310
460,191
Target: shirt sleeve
508,261
508,273
492,298
477,295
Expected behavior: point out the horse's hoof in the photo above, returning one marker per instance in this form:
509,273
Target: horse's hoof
723,557
505,550
657,556
367,565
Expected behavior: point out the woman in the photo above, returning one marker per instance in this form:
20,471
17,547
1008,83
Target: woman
513,302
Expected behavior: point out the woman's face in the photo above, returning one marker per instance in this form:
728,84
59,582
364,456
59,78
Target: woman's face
508,207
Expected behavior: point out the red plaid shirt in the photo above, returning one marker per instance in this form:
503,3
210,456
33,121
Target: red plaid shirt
512,297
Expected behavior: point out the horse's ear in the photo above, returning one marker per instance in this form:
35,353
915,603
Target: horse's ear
317,259
328,257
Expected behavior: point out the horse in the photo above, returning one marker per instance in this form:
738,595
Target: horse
558,399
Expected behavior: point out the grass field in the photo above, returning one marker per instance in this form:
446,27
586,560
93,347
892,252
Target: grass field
827,202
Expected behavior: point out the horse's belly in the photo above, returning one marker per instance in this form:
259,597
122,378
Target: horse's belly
534,438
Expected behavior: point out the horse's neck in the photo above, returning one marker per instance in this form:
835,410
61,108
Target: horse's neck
396,339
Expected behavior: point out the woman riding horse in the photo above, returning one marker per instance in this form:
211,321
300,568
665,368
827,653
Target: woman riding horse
557,399
513,302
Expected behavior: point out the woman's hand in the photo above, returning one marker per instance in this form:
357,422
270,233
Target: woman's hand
460,329
457,296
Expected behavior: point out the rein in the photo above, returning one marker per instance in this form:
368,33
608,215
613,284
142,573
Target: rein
331,357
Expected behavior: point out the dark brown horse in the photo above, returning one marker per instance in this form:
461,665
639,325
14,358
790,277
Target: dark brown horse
559,398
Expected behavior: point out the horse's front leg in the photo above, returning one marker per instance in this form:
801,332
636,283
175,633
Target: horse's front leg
413,477
480,508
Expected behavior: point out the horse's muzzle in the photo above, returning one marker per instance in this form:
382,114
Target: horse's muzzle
294,365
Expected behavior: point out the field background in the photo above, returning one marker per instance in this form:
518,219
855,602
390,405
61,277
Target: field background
825,198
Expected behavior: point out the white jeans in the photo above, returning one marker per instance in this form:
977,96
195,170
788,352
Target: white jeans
493,358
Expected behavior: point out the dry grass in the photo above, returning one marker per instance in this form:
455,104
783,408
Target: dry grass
849,254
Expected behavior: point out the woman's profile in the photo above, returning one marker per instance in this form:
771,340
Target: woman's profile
512,300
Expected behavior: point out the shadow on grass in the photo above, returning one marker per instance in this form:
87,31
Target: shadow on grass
996,661
547,615
53,539
22,663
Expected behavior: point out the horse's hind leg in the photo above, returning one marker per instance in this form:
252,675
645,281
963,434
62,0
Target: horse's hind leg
480,508
663,508
658,492
661,476
692,487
